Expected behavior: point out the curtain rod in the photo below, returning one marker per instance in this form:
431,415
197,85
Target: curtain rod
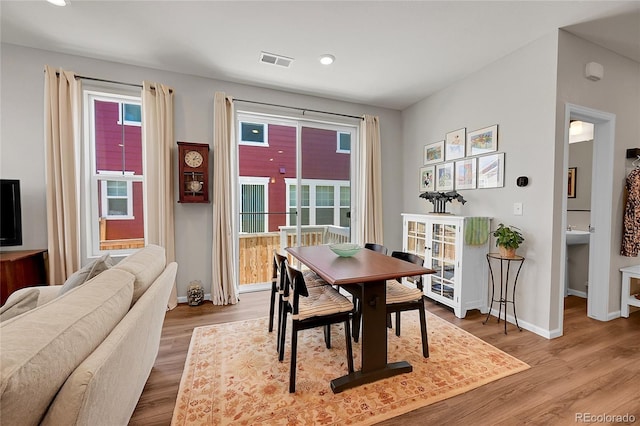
298,108
82,77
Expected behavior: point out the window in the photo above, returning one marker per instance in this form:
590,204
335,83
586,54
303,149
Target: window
344,142
132,114
113,178
345,206
304,203
253,133
253,203
319,201
324,205
116,197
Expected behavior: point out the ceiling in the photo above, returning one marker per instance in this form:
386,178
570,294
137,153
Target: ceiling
388,53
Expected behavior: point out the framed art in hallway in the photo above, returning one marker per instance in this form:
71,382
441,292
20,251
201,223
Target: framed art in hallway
454,144
427,178
444,177
571,190
491,171
482,141
434,153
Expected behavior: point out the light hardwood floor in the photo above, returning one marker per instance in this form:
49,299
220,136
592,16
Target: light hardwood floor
594,368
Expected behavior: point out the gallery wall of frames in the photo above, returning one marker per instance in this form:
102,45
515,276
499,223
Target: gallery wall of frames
463,160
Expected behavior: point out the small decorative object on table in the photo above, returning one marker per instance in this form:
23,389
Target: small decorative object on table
195,293
345,249
508,239
440,199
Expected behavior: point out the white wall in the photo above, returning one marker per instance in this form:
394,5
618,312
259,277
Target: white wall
22,146
617,93
517,92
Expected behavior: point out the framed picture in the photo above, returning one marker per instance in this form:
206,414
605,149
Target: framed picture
454,144
427,178
482,141
572,183
444,177
434,153
465,173
491,171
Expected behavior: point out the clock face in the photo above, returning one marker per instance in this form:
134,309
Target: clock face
193,159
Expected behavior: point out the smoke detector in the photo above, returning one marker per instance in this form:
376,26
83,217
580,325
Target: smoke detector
273,59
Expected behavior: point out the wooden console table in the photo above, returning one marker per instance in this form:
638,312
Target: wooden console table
22,268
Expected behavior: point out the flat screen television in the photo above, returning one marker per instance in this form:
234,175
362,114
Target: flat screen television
10,213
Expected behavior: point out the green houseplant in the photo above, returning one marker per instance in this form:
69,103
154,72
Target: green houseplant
508,239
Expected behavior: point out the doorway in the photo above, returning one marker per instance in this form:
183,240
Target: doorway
600,212
579,208
294,189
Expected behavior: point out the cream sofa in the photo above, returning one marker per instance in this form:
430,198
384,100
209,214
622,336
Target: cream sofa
83,358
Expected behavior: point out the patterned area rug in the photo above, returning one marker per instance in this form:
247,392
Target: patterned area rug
232,375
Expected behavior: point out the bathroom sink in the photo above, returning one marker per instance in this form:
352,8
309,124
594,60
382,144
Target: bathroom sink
577,237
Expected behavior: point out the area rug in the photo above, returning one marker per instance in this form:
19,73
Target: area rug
232,375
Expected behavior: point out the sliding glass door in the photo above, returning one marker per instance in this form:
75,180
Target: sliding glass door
294,189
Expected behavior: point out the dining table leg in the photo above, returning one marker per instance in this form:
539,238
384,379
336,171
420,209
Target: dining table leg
374,342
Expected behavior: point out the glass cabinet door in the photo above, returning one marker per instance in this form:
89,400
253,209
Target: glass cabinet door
416,237
443,259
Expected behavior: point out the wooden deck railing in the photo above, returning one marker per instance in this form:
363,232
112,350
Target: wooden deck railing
256,250
120,244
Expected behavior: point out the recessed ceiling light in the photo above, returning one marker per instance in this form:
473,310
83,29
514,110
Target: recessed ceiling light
327,59
58,2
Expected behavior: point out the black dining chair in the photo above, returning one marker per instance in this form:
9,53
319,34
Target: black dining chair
356,293
278,279
376,247
312,307
402,298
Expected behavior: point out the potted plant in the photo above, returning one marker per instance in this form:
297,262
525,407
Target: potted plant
508,239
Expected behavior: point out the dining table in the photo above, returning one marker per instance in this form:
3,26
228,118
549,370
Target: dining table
371,270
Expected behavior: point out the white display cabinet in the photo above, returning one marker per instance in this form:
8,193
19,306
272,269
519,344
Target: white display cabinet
459,259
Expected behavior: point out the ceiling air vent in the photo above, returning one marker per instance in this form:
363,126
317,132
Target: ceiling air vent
270,58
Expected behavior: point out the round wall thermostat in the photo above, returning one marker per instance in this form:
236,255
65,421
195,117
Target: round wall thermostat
522,181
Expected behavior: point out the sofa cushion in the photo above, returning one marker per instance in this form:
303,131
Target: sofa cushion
24,302
85,273
146,265
41,348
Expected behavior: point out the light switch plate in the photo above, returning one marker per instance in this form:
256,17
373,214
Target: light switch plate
517,209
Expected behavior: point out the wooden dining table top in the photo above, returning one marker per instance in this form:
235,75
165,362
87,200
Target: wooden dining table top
364,266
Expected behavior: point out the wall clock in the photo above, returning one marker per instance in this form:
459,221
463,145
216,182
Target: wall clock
193,172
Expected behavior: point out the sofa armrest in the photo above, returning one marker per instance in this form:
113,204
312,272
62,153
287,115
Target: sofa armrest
46,294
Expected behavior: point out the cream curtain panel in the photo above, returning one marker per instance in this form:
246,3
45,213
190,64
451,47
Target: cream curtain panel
61,120
224,288
370,199
157,116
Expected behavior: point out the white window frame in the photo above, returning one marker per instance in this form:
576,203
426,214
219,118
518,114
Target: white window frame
104,197
259,181
91,176
338,148
248,120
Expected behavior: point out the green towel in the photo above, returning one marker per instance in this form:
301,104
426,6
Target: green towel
476,231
